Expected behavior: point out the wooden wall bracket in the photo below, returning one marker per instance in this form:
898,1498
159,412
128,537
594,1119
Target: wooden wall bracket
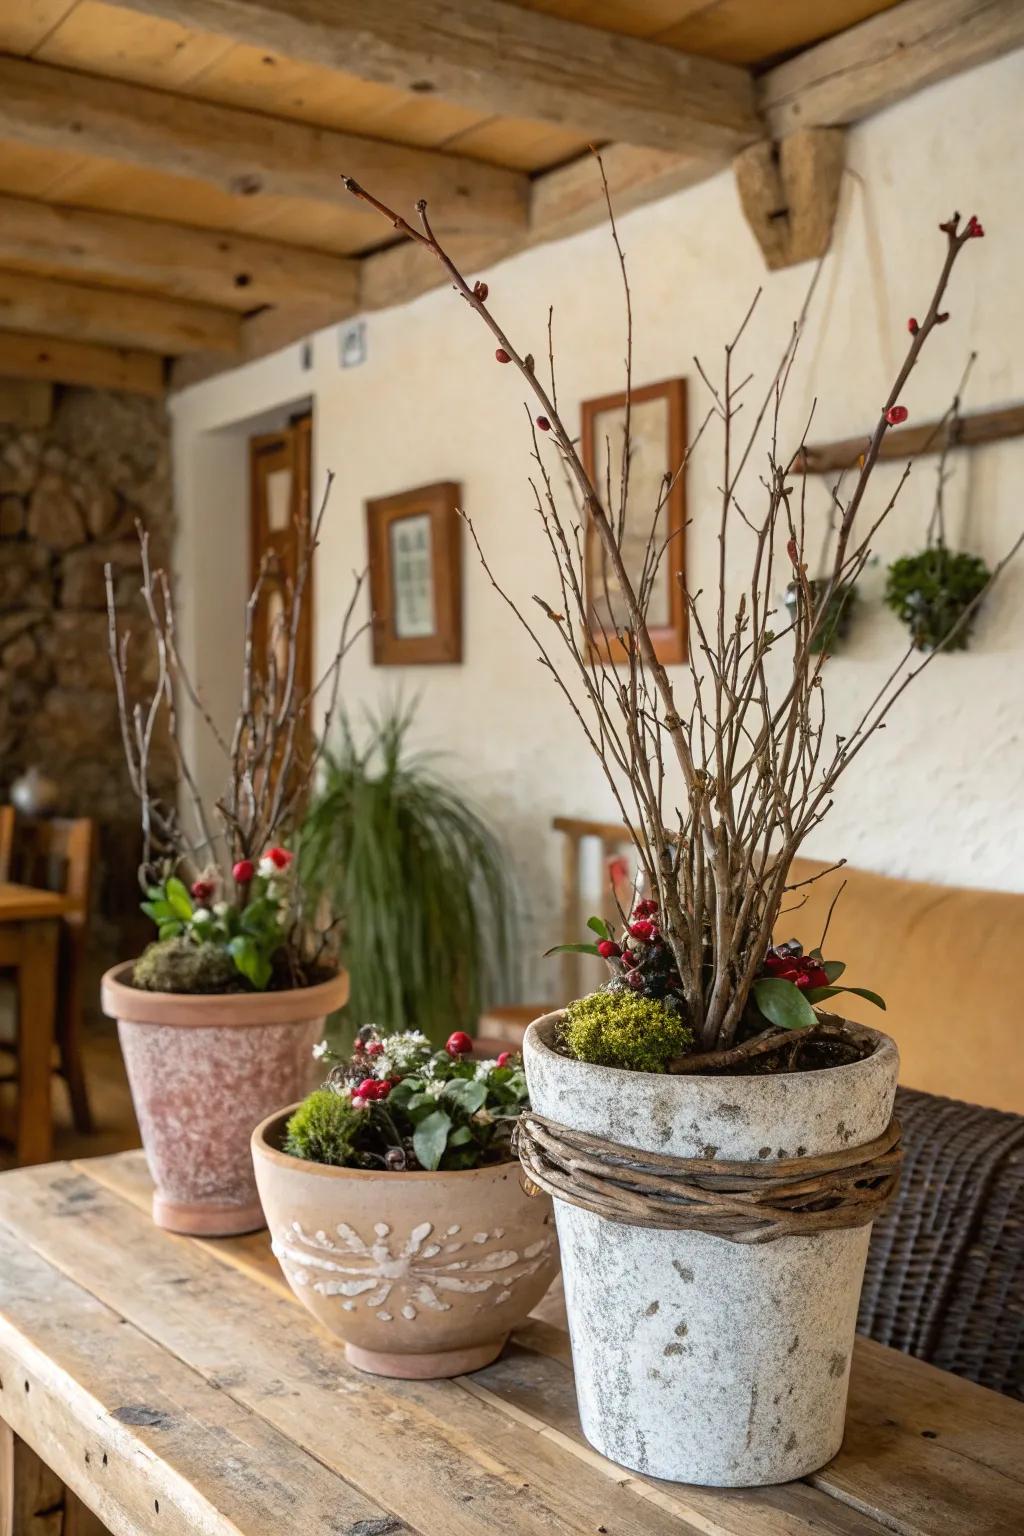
908,442
789,192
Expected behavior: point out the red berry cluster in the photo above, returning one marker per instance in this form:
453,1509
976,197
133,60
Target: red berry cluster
373,1089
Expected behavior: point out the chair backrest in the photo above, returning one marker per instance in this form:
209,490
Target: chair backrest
54,853
945,1271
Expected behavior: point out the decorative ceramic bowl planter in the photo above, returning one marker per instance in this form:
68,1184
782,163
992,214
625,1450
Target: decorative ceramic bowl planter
204,1070
700,1359
422,1274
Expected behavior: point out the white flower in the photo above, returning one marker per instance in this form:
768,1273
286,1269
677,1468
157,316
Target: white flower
266,867
221,908
202,915
320,1050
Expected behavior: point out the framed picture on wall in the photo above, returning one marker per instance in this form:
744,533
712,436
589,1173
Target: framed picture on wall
655,516
415,552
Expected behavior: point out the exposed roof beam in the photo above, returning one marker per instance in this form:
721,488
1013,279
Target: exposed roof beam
245,153
46,307
886,58
76,362
499,59
211,266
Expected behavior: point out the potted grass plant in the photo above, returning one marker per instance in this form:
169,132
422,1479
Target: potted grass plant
396,1205
218,1016
422,883
716,1144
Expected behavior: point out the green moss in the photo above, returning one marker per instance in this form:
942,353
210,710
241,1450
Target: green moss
182,965
930,591
622,1029
323,1129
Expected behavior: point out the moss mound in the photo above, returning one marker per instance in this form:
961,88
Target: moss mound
622,1029
181,965
323,1129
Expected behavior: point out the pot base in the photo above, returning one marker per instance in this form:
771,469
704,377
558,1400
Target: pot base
202,1220
429,1367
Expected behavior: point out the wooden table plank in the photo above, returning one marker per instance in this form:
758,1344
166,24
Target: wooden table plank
430,1452
143,1440
963,1475
25,903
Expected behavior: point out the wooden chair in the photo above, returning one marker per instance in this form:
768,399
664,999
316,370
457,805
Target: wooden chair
57,855
503,1027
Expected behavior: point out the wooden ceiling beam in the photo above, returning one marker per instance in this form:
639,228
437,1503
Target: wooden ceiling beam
245,153
76,362
209,266
46,307
499,59
886,58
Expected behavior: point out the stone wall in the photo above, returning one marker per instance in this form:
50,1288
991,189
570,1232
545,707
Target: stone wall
70,494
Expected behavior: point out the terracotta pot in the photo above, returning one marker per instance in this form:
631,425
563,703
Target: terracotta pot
203,1071
422,1274
698,1359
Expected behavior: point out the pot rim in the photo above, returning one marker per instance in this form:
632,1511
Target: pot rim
263,1148
297,1005
539,1032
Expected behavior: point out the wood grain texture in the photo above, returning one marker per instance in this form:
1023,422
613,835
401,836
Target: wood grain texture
25,403
499,59
46,307
908,442
74,362
887,58
244,153
925,1455
227,270
789,194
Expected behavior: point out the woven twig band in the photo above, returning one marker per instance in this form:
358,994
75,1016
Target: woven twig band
742,1202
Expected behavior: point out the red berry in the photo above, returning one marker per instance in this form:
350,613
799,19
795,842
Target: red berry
645,908
458,1044
544,424
383,1089
368,1088
279,857
635,979
374,1048
912,326
504,1058
895,414
202,890
643,930
628,959
608,950
502,355
244,871
973,231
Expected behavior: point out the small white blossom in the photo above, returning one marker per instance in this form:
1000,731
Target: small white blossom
221,908
319,1050
266,867
202,915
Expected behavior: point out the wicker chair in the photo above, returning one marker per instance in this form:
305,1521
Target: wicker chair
945,1272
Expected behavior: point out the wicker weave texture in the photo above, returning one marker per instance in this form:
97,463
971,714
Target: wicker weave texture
945,1272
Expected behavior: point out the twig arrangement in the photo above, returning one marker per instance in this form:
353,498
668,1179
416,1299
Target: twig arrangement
272,752
749,751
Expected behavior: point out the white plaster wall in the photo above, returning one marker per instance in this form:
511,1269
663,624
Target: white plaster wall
938,794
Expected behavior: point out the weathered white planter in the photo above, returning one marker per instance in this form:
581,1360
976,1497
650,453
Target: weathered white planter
698,1359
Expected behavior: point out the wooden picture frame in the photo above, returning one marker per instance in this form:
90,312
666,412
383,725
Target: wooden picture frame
658,414
415,557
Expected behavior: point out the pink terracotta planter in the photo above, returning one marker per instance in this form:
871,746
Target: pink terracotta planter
422,1274
203,1072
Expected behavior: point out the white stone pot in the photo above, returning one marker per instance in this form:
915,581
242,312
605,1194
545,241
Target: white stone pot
698,1359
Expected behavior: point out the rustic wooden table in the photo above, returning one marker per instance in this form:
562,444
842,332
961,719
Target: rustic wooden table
29,934
175,1386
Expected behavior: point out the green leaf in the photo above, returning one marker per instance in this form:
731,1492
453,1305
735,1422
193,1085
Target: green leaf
819,994
467,1093
170,930
159,911
155,892
179,898
600,927
430,1139
783,1004
251,961
460,1137
833,969
572,949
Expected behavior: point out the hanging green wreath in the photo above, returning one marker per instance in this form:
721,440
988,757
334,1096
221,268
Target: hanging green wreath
930,591
834,625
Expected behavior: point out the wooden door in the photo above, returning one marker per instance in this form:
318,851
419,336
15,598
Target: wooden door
279,487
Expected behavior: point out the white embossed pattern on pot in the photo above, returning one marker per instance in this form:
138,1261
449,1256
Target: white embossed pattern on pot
416,1276
698,1359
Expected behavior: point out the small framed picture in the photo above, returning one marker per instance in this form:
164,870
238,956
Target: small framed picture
415,552
656,513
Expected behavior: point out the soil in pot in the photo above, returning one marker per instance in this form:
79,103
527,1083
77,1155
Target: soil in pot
699,1359
203,1071
421,1274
